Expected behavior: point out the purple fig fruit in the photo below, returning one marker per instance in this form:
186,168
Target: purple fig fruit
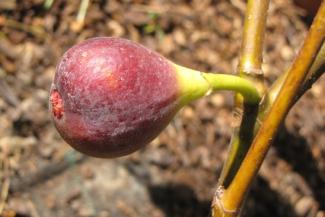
111,96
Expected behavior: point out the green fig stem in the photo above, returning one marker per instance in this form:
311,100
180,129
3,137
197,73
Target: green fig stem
192,84
195,84
234,83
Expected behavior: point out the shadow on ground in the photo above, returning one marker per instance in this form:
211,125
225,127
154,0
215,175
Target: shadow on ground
294,149
180,200
263,201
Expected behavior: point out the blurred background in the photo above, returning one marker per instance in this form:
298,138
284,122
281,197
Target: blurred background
176,175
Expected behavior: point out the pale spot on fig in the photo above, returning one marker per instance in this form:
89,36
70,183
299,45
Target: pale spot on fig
57,104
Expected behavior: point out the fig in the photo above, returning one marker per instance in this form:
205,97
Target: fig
111,96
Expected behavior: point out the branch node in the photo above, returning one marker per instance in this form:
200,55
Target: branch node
217,202
249,70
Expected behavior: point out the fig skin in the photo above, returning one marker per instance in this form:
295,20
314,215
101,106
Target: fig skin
111,96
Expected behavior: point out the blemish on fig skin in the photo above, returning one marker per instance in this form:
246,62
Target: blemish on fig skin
56,104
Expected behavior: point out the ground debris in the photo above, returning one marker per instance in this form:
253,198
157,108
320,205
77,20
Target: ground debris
177,174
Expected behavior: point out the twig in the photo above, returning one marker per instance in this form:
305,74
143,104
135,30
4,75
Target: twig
234,195
48,4
249,67
78,24
253,38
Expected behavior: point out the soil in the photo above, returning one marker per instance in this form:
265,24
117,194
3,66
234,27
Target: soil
176,174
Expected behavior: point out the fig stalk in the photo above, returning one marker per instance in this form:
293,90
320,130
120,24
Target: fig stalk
198,84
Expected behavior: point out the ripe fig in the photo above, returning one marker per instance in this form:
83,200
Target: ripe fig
111,96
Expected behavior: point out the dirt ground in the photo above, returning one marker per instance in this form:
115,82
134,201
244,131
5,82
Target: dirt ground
176,175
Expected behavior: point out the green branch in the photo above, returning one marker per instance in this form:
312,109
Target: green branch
234,195
234,83
250,68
